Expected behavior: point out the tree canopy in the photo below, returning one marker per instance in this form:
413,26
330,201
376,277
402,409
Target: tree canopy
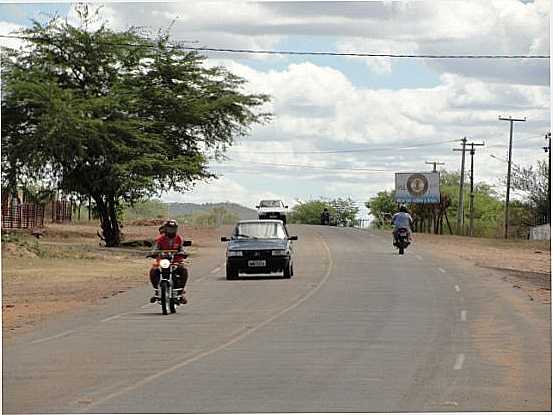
115,115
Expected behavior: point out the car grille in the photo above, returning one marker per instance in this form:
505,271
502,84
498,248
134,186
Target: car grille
262,254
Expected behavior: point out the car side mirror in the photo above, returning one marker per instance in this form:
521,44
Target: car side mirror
293,238
224,239
186,243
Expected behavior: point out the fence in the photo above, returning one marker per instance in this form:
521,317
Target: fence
61,211
22,215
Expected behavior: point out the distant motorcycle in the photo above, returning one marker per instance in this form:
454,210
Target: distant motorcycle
169,295
402,240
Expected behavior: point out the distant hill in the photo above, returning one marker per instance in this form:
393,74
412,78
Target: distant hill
244,213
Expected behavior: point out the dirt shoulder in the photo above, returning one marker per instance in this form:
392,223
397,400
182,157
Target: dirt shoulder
525,264
67,270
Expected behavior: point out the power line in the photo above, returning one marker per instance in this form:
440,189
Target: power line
359,150
359,170
312,53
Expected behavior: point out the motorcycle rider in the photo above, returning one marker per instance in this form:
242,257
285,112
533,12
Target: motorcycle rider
402,219
168,240
325,217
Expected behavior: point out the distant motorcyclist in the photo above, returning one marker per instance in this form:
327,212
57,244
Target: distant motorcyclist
402,219
169,240
325,217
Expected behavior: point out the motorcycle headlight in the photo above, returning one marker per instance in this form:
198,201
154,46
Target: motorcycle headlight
235,253
279,252
164,263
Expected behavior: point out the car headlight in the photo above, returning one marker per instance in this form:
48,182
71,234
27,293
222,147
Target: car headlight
164,263
279,252
234,253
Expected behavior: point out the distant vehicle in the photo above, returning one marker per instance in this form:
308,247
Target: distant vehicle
272,209
260,247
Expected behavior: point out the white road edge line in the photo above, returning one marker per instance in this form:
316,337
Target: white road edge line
463,315
65,333
457,288
442,270
419,257
216,270
111,318
230,342
459,362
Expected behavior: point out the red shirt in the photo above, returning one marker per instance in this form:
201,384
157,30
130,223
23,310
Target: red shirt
163,243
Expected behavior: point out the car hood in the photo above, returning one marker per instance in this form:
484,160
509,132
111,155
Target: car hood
257,244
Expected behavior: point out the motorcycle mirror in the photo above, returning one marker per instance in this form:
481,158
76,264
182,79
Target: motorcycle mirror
293,238
224,239
285,207
186,243
257,207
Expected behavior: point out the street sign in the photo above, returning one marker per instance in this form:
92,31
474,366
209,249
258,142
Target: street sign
418,187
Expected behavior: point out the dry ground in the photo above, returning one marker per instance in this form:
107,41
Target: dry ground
68,270
524,264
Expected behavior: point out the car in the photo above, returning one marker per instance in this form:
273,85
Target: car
272,209
260,247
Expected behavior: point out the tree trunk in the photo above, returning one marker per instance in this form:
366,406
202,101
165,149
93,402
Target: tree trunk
108,220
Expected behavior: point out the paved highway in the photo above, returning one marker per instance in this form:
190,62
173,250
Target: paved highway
358,328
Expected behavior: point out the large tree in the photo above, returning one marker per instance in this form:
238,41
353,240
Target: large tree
118,116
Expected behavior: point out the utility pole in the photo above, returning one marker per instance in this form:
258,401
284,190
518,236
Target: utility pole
435,163
511,120
548,150
472,151
460,210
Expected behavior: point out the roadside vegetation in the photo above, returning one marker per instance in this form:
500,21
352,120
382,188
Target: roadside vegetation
529,209
342,211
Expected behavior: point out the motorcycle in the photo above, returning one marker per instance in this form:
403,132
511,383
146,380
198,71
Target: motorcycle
169,295
402,240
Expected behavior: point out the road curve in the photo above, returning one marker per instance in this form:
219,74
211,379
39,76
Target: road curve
358,328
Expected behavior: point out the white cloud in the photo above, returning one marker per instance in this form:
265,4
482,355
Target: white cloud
11,29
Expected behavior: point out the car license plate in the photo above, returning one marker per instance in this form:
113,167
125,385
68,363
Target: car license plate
257,263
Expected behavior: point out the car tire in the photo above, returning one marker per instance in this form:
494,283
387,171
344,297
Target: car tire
288,271
232,274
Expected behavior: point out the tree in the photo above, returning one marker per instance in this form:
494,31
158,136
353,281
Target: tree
533,182
381,206
118,116
309,212
345,211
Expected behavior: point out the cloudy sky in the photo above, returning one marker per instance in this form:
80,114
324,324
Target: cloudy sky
343,125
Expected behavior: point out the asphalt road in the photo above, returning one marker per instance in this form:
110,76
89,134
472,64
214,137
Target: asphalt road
358,328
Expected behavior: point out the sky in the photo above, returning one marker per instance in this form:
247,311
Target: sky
384,115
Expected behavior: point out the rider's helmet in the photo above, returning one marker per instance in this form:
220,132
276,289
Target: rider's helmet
403,208
325,210
170,228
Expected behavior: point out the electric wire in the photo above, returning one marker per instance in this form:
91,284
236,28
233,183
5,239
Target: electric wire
290,52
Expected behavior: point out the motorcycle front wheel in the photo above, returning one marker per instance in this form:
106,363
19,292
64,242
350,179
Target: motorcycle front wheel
163,296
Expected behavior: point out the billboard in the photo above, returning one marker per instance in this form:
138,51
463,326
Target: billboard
418,187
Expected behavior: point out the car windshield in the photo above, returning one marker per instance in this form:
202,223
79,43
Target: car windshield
270,203
260,230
